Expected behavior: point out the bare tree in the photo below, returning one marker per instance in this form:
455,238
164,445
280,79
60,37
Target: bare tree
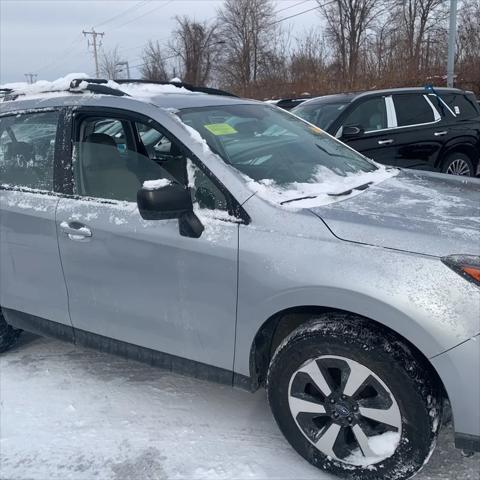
247,28
109,63
419,23
347,24
196,46
153,67
468,45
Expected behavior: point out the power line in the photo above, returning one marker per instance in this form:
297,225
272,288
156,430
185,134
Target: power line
118,15
301,13
142,15
294,5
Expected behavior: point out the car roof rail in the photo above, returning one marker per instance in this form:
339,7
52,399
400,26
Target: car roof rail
95,85
186,86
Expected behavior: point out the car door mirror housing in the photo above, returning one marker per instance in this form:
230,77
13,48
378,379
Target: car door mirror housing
165,202
351,131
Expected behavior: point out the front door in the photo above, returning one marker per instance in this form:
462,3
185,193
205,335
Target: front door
376,142
137,280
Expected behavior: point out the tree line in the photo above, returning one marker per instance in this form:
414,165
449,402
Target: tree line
357,45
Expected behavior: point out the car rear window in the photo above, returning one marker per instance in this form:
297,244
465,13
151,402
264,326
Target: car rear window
412,109
464,106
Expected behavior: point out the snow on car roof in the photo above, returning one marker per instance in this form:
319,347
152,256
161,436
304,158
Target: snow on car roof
168,95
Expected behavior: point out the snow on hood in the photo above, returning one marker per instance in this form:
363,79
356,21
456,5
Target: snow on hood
431,214
323,190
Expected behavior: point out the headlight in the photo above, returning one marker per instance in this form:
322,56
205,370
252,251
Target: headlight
468,266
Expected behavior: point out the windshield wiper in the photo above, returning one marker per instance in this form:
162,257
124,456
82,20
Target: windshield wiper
348,192
297,199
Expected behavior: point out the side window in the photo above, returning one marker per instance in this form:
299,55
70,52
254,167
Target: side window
412,109
27,146
108,164
205,194
370,114
462,105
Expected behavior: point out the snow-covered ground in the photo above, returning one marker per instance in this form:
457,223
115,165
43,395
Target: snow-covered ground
72,413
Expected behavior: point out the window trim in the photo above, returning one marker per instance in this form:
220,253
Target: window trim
57,153
78,113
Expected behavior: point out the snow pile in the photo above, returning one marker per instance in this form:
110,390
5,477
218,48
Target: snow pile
383,446
156,184
324,183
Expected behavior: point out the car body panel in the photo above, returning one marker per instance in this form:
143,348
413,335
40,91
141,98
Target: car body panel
435,309
141,282
420,212
31,277
458,368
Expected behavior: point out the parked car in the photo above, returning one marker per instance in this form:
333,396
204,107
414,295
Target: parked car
224,238
407,127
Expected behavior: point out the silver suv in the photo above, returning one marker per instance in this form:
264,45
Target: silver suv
225,238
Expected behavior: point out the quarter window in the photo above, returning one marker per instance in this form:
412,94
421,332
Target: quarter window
412,109
370,114
462,105
27,146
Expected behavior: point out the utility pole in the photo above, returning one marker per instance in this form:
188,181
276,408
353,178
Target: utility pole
452,34
95,44
125,64
31,77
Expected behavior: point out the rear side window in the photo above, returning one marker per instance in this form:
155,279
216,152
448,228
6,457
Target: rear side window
412,109
462,105
27,146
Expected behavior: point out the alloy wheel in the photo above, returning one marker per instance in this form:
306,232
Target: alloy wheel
458,167
345,410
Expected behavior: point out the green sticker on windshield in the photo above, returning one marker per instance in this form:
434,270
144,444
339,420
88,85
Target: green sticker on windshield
220,129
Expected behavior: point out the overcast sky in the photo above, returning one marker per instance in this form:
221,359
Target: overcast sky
45,36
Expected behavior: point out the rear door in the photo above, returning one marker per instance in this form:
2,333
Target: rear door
420,131
141,281
31,278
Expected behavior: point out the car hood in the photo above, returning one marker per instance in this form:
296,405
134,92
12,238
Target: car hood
419,212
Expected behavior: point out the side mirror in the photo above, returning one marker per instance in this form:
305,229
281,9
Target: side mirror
164,202
167,202
351,131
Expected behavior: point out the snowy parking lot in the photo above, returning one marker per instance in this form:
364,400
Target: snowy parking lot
73,413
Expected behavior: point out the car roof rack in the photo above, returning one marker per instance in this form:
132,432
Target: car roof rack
186,86
77,85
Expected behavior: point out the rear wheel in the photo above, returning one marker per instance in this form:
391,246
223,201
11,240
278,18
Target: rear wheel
354,401
8,334
458,164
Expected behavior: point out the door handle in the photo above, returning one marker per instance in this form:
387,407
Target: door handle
385,142
76,231
440,134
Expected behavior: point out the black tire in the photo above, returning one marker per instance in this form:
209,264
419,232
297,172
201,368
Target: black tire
8,335
458,162
353,338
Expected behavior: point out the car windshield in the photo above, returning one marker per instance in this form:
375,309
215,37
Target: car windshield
267,144
320,114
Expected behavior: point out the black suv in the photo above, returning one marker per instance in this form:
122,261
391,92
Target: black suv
418,128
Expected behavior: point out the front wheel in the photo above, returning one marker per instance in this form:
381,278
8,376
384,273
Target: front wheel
354,401
458,164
